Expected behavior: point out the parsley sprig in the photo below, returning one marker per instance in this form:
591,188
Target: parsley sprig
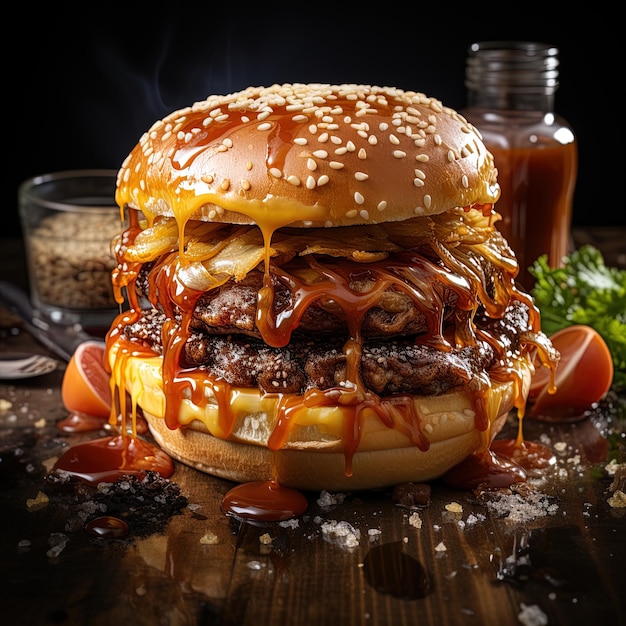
585,291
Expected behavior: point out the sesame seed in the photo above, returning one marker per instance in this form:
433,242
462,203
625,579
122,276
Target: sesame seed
394,139
249,165
352,213
245,184
322,180
362,154
275,172
264,126
358,198
320,154
227,142
420,174
465,181
364,214
399,154
422,158
382,205
351,147
361,176
418,182
311,165
341,151
428,201
310,182
293,180
335,165
323,138
451,155
301,141
225,184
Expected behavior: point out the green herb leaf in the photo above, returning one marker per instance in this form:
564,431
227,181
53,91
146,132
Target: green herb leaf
585,291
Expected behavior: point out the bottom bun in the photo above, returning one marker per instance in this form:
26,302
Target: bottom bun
312,455
451,432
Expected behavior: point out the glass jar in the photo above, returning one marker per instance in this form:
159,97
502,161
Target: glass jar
511,87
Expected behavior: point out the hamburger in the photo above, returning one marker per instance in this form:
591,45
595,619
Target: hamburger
317,293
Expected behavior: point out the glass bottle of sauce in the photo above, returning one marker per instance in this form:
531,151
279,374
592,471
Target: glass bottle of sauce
510,99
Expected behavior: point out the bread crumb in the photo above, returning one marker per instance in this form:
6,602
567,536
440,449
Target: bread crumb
440,547
265,539
38,502
209,539
48,464
617,500
5,405
141,590
415,520
612,467
454,507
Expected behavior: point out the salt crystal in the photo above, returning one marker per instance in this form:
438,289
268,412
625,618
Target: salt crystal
532,615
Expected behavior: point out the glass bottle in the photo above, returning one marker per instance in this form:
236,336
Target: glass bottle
511,87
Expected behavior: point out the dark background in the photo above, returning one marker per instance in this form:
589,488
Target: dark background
87,84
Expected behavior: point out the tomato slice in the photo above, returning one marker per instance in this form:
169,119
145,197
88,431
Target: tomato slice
583,376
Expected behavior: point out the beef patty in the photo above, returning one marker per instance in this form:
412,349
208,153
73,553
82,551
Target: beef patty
388,365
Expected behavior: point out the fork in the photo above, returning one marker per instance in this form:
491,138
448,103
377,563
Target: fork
20,365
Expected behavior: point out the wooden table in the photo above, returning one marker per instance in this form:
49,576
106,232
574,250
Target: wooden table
557,555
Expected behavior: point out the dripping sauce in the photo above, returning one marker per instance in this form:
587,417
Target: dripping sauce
109,459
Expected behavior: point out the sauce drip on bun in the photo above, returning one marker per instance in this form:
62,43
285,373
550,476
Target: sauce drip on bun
318,294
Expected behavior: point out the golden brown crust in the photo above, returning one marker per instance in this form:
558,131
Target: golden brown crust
309,155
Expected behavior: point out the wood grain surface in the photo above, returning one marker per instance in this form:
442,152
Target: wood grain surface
554,555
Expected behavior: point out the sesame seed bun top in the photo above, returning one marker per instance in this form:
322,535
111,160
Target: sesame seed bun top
309,155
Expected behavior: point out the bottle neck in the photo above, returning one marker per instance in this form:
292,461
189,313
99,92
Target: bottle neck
505,100
512,76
